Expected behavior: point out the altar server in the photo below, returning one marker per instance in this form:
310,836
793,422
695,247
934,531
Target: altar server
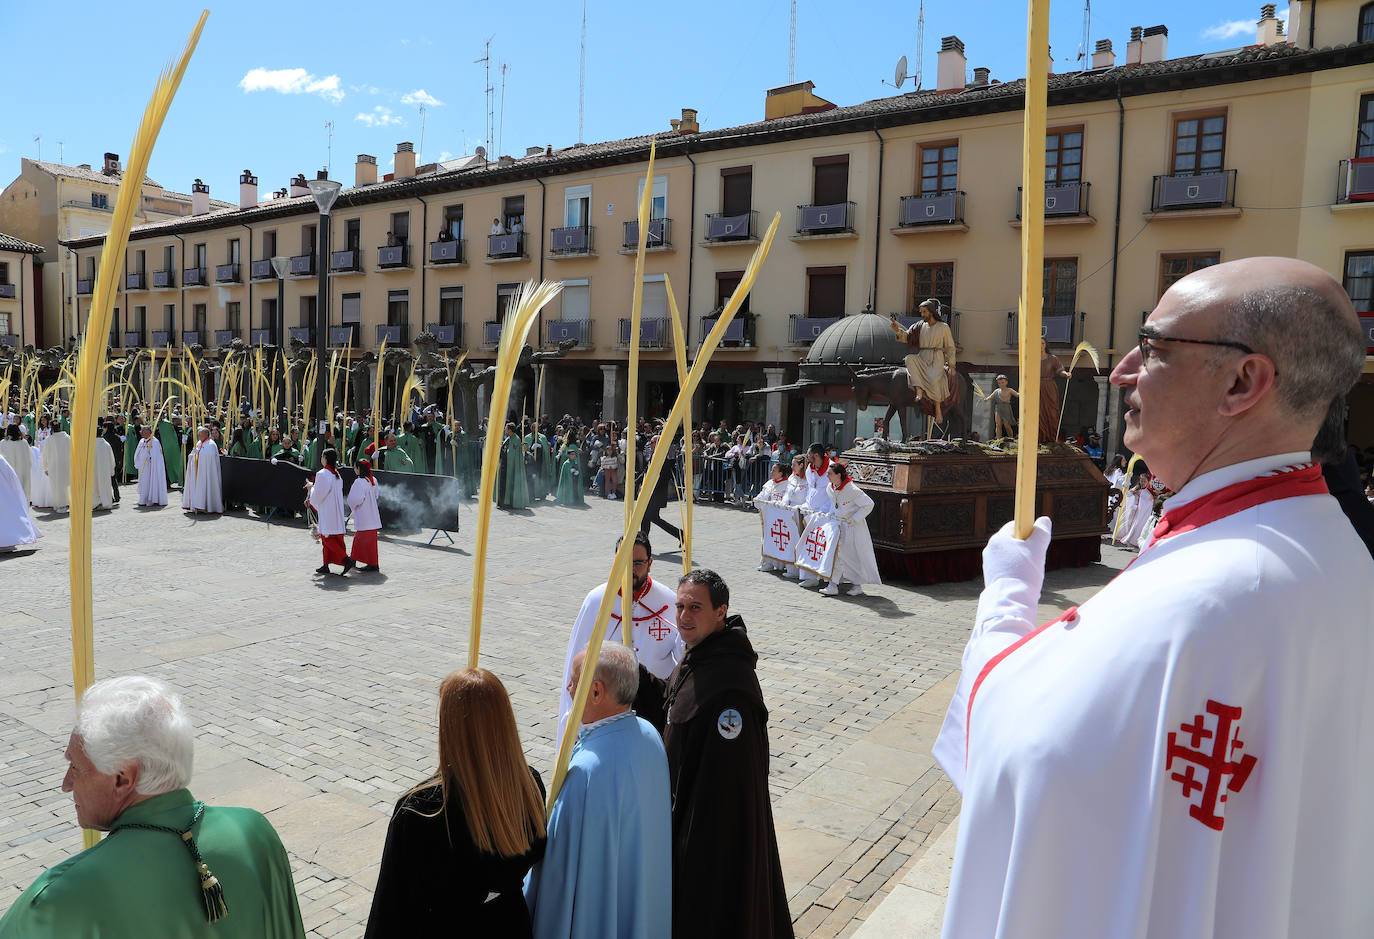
855,562
57,467
773,491
817,497
152,470
1189,752
367,520
327,499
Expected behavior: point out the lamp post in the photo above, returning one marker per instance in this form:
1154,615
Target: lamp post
282,265
325,192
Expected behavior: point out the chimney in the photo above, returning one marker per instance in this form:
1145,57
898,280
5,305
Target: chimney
674,123
1103,56
1270,29
364,171
1154,47
688,124
1049,60
1133,47
111,164
534,151
299,187
279,194
405,160
952,65
248,190
200,198
980,77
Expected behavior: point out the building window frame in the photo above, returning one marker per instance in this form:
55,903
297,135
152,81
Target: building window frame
1059,299
1198,127
1364,124
1359,284
1365,31
1064,156
927,279
1176,265
937,166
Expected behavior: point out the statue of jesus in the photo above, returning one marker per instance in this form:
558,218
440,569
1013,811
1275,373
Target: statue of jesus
928,367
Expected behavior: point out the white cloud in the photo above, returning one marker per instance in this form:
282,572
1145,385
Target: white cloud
292,81
421,97
1235,29
445,156
378,117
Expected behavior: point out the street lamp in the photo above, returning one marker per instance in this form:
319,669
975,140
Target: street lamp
282,265
325,192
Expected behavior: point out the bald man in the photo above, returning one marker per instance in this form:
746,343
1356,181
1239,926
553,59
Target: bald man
1188,753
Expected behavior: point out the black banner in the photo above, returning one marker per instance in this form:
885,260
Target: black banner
405,501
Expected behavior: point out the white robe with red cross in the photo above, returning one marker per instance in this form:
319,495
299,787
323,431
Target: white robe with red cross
656,643
1188,754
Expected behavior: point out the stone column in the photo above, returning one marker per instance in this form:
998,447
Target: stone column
483,405
1111,436
1104,391
372,388
774,405
611,382
983,421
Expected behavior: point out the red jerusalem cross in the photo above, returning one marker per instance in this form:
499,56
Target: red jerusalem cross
1214,766
815,544
780,534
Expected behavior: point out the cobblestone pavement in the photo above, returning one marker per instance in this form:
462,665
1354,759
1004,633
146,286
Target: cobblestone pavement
315,700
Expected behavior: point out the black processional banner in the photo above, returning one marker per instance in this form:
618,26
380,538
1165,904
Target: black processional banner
406,501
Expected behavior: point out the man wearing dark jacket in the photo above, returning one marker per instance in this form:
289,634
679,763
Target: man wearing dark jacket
727,879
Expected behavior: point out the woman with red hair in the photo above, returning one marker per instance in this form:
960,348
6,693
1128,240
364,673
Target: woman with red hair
362,503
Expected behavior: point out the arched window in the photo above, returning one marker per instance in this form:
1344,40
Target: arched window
1366,22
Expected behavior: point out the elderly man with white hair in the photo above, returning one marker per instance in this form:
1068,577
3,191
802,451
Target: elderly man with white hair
169,865
204,490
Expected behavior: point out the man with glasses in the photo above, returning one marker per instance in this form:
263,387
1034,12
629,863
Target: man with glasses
654,636
1189,752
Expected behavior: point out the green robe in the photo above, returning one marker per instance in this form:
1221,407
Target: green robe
542,454
66,423
131,432
291,453
31,423
252,449
393,460
570,488
170,438
137,883
512,489
415,450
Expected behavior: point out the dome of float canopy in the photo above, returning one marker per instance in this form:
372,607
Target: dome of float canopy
862,340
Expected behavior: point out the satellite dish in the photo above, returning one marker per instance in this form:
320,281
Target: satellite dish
899,75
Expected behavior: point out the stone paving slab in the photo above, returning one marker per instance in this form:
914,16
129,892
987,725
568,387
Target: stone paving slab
315,700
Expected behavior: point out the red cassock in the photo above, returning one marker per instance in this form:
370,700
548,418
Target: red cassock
334,549
364,549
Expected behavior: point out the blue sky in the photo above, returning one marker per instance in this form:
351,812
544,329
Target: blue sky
267,76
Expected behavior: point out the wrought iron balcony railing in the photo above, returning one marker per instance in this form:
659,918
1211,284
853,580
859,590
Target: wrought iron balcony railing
825,219
660,234
303,264
164,278
1062,199
446,252
226,273
940,208
724,228
1207,190
135,280
193,277
566,242
393,256
654,332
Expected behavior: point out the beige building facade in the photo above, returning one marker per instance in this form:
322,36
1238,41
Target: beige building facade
1155,167
18,294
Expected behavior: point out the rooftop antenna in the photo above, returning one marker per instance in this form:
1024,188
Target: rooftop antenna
582,76
792,46
485,62
39,140
899,75
919,73
501,133
1084,54
329,147
61,153
422,135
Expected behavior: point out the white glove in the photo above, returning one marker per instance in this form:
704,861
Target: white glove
1014,573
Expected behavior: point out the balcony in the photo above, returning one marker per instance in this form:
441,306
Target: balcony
660,235
133,338
398,335
1062,201
933,210
261,337
578,331
653,332
346,335
448,334
303,265
162,338
491,334
724,229
390,257
804,329
10,340
506,247
193,277
571,242
1184,191
224,337
738,335
262,270
83,287
305,334
814,221
226,273
1356,180
341,261
1056,330
190,337
1367,327
6,291
164,279
446,252
136,281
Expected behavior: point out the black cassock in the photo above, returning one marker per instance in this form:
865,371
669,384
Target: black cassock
727,877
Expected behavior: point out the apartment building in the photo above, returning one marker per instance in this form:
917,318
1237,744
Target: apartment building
1154,167
18,292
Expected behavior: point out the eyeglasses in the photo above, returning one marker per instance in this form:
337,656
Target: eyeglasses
644,563
1147,341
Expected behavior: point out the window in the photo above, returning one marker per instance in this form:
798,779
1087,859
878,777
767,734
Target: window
198,315
450,304
99,200
939,168
353,234
453,221
654,304
307,308
308,239
830,180
577,206
140,319
932,280
825,291
169,317
1174,267
513,212
397,307
658,199
200,256
351,309
169,258
1199,143
1061,287
233,251
1364,132
1064,156
140,262
269,313
90,268
726,282
400,228
269,245
736,190
505,293
1366,22
231,316
1359,279
114,329
4,272
576,300
4,324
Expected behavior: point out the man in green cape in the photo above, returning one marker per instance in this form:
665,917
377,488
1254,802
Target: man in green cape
415,450
541,470
170,865
132,431
512,489
169,436
392,457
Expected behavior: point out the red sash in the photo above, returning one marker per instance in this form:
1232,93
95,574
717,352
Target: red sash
1287,483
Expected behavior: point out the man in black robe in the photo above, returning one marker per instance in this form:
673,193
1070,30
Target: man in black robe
727,879
117,445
